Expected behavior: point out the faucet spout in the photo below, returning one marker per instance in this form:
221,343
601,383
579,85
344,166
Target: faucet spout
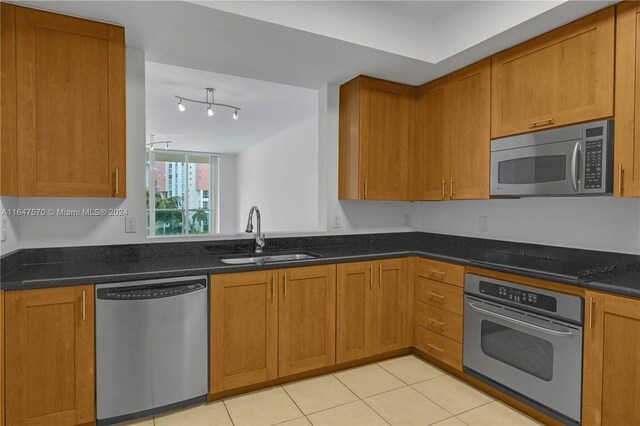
260,240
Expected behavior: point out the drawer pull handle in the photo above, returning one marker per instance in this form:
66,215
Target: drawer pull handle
370,276
84,305
545,122
436,296
434,347
117,179
436,322
434,272
443,188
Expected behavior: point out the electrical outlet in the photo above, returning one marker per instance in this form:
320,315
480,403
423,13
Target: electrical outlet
336,221
129,224
484,224
4,229
407,220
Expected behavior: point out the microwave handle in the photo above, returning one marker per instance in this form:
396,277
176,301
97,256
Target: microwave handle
575,166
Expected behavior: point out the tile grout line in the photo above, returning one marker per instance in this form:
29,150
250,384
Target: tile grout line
376,411
294,403
375,394
228,413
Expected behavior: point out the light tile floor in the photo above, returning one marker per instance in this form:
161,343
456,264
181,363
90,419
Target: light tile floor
400,391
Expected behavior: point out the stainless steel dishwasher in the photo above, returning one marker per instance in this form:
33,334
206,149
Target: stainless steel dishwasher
151,346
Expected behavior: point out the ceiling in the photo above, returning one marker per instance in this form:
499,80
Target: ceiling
312,43
267,109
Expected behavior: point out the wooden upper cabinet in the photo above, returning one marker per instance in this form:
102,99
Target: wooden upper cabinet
244,329
307,318
627,132
8,147
562,77
470,129
70,106
376,130
50,350
611,381
432,144
453,142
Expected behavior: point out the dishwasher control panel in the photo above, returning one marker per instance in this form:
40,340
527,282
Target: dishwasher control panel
149,291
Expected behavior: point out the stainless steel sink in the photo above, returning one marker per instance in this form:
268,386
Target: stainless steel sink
267,259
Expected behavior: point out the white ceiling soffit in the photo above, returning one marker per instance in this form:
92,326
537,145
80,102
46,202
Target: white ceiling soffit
268,109
408,42
428,31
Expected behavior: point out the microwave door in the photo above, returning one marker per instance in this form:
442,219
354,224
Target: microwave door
549,169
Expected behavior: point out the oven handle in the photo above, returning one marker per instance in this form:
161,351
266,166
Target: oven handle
577,149
520,322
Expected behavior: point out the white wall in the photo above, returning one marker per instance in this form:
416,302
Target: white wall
227,186
598,223
280,176
13,241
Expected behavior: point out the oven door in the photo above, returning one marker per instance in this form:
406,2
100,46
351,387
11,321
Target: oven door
548,169
538,358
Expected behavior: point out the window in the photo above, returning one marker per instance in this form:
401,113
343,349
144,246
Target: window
180,183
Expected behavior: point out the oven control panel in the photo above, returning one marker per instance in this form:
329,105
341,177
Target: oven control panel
518,296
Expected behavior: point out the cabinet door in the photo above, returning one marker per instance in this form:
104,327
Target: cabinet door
307,322
627,152
432,142
50,370
386,117
354,311
612,361
8,148
244,329
562,77
390,317
70,106
471,132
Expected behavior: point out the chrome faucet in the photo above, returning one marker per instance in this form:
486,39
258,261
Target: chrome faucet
260,241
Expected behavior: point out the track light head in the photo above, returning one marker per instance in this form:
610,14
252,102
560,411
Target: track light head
181,107
235,115
210,111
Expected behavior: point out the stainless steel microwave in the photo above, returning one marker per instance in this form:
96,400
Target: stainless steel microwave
572,160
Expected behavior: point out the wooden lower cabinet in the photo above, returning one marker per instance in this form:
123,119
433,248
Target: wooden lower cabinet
270,324
371,308
50,353
244,329
307,315
611,380
438,311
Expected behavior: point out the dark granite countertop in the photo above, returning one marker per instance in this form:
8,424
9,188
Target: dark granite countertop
44,268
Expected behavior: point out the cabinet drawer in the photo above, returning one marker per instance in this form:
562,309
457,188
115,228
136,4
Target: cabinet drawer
440,295
440,347
441,271
439,321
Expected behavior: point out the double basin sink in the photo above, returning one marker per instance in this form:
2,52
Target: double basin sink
267,258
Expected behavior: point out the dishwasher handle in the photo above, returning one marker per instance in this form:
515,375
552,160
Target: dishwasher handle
148,292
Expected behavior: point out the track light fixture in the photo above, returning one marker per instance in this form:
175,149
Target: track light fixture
210,103
152,142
